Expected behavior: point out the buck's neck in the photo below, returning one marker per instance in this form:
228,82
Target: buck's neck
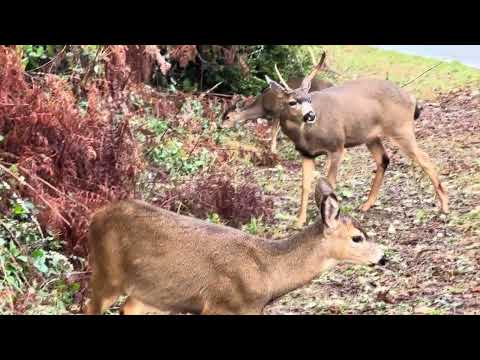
296,260
311,140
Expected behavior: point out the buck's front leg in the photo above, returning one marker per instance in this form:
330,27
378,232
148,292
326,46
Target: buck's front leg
307,177
335,159
328,161
275,130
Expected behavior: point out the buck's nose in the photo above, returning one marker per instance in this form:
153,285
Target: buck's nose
383,260
309,117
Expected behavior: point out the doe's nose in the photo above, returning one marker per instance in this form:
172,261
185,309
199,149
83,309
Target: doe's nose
309,117
383,260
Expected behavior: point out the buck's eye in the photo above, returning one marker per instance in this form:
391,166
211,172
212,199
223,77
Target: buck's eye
357,239
292,103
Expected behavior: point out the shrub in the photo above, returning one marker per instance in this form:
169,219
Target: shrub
216,193
73,161
31,264
241,68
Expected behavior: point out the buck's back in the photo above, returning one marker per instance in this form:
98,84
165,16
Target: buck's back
351,114
383,91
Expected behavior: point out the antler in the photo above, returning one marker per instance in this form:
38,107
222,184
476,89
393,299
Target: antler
284,83
325,66
307,82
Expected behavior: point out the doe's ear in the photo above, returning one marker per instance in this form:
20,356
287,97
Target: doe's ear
327,203
274,85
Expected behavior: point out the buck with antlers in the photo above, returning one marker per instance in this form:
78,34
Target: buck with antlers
354,113
264,106
166,262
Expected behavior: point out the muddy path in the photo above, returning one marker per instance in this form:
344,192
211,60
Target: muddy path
434,265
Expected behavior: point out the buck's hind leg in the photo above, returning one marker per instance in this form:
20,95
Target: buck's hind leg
382,160
408,145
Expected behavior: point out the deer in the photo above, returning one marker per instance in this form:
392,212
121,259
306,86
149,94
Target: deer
166,262
263,105
261,108
356,112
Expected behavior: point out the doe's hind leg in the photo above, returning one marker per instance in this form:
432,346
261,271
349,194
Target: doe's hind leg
134,306
103,295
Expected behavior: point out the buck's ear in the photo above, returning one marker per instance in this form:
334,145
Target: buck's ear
327,203
274,85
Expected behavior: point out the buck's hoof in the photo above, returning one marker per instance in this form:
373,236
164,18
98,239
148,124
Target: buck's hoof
365,207
299,225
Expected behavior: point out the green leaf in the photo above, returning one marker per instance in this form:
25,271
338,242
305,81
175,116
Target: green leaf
13,249
14,169
38,254
18,209
39,260
346,193
40,266
51,50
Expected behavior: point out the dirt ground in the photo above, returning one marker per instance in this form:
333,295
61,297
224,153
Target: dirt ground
434,259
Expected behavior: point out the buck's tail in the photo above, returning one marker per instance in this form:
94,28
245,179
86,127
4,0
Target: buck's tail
418,110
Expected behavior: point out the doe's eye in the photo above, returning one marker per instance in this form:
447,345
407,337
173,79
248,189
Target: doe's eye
357,239
292,103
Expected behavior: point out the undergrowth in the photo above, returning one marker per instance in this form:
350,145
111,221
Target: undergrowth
34,273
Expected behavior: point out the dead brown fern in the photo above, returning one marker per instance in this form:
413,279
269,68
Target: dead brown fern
88,158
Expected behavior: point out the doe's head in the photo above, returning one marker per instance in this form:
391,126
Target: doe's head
344,239
232,116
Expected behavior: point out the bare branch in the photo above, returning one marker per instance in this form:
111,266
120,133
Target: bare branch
411,81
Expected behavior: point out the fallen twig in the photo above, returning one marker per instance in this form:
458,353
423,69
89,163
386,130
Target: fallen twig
219,95
210,90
